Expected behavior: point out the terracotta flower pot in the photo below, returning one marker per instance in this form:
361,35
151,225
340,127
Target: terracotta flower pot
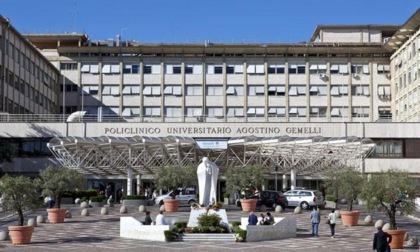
248,205
21,234
171,205
350,218
397,238
56,215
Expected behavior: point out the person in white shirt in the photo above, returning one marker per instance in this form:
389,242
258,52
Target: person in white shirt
160,219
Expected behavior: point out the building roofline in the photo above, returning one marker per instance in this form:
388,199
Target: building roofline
5,20
318,28
404,32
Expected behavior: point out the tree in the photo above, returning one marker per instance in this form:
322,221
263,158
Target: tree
54,181
244,178
348,181
19,194
390,191
173,177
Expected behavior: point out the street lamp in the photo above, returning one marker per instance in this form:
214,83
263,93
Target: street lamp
276,170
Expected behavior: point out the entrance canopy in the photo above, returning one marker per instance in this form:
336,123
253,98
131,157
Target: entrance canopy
108,155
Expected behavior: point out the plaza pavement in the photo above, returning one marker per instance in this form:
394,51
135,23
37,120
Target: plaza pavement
101,233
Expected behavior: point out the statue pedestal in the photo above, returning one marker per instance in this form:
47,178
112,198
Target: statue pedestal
193,221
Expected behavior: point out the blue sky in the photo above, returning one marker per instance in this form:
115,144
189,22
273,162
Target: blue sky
192,21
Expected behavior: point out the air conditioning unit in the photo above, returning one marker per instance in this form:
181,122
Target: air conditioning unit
355,75
388,76
322,76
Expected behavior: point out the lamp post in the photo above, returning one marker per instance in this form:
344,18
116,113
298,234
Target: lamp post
276,170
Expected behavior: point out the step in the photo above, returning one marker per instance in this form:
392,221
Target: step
207,237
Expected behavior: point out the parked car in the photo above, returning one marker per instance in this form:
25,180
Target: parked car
305,198
186,196
269,198
289,188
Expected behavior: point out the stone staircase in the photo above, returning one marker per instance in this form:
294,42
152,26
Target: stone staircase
207,237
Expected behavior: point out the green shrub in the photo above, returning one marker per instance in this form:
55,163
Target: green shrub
91,193
134,197
97,199
226,195
171,235
241,235
209,220
331,198
236,223
180,224
83,199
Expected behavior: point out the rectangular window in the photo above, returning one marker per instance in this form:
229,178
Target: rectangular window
297,112
339,112
194,90
173,112
215,112
235,112
255,90
383,69
194,112
131,68
318,90
68,66
360,112
275,69
388,148
172,90
318,111
255,69
362,90
297,90
276,111
151,111
214,90
255,112
318,68
235,90
151,69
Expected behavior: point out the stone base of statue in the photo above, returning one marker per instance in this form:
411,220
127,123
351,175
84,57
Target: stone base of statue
195,213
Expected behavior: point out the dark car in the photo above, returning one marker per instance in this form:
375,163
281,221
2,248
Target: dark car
269,198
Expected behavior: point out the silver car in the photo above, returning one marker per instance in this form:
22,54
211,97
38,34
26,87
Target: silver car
304,198
187,197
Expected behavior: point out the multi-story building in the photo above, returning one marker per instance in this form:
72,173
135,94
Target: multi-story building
341,83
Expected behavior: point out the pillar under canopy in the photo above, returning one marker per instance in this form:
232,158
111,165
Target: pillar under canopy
129,181
293,178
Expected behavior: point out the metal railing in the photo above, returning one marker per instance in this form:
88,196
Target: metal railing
57,118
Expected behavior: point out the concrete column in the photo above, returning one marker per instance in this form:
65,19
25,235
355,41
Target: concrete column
293,178
138,177
284,181
129,181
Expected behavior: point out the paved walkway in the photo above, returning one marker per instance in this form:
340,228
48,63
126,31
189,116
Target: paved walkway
101,233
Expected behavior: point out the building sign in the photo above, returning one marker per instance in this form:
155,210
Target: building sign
213,131
208,144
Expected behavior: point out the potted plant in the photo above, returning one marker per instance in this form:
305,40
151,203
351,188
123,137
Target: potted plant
348,183
391,191
172,178
245,179
19,194
54,182
226,198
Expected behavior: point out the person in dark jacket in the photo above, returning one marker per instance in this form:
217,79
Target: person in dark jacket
253,219
381,240
147,219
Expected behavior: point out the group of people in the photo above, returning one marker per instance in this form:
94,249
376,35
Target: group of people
263,220
315,217
159,220
381,239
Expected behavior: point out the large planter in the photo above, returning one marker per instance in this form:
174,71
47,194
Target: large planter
350,218
248,205
56,215
171,205
397,238
21,234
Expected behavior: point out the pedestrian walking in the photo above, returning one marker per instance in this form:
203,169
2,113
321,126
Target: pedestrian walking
331,220
381,241
315,217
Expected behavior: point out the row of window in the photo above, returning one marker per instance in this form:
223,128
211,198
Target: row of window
27,147
197,90
34,68
218,112
293,68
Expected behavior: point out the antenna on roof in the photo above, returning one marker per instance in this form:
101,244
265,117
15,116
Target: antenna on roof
74,11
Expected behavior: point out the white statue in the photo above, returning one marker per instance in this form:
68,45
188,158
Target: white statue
207,173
